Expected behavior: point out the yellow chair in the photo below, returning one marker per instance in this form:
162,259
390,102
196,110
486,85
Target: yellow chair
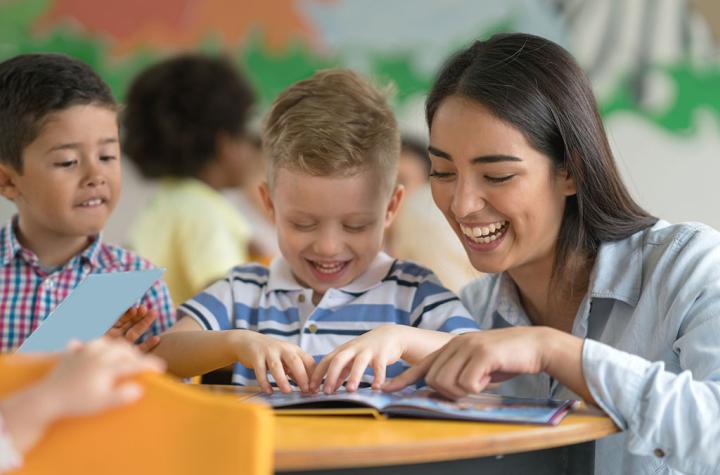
174,429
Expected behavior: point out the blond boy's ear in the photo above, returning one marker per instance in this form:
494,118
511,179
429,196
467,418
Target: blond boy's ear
267,201
394,204
7,182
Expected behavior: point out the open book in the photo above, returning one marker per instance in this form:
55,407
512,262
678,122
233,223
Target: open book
423,403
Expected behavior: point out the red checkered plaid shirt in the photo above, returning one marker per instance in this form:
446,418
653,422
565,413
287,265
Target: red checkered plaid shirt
28,293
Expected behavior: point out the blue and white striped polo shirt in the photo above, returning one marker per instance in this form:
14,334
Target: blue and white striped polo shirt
272,302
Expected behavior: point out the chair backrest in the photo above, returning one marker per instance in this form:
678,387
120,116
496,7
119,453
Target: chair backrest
174,429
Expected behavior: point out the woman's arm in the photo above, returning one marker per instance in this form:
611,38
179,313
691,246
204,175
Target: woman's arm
469,362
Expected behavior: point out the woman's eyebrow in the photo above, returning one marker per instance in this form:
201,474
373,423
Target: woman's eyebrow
481,159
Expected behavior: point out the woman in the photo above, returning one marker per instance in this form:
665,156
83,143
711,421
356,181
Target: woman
588,294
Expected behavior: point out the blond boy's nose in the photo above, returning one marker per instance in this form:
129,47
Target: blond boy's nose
327,244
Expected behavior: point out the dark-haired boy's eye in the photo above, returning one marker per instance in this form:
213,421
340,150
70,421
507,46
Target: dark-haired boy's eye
498,179
65,163
107,158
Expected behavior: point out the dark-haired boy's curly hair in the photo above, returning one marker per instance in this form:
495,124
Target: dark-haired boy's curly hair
176,109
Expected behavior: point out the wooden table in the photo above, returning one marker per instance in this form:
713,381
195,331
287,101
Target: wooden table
339,444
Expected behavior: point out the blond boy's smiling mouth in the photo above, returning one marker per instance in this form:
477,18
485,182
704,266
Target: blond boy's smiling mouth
327,269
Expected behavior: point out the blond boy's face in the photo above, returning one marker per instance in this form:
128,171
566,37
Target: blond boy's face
70,181
329,228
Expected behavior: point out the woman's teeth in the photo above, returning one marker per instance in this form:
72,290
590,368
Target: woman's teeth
329,268
484,234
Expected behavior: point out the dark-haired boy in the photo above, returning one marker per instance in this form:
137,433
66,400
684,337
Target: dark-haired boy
60,165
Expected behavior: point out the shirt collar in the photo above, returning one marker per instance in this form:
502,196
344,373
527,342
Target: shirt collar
617,272
10,247
282,279
9,244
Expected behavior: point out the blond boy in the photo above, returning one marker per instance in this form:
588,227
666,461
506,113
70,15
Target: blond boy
332,146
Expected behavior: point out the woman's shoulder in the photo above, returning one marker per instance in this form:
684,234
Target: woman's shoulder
669,252
676,236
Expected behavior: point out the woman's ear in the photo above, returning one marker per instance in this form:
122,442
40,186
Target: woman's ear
267,201
394,204
567,182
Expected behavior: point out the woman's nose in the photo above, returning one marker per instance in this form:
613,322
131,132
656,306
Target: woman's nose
468,198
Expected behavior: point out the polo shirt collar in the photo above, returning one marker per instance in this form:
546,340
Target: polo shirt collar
282,279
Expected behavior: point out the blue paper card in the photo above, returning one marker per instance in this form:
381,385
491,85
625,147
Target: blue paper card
90,309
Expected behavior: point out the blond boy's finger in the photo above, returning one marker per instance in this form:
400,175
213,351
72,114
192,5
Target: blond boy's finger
358,369
309,363
275,366
317,374
261,376
379,368
410,375
296,368
338,363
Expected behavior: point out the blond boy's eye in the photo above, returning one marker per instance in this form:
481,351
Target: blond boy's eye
303,226
356,228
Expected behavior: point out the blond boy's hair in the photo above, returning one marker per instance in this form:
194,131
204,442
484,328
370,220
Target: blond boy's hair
332,124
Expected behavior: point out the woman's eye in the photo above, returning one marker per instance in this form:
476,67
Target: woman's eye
498,179
440,175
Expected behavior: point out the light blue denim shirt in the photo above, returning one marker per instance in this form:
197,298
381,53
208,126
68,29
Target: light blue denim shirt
651,356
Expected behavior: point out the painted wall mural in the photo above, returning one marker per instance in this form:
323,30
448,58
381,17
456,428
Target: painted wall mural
653,63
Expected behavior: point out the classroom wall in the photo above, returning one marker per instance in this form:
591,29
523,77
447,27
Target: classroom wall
653,63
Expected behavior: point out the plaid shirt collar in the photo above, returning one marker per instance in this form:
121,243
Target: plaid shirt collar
10,249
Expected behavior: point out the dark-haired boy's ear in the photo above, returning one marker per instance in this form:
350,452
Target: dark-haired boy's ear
7,182
394,204
267,201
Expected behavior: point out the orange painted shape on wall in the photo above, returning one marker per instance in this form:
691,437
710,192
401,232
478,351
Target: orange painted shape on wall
182,24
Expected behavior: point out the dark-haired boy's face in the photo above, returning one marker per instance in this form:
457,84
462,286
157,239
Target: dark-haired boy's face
70,181
504,199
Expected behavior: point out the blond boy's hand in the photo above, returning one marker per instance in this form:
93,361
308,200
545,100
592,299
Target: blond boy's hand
377,348
133,324
264,353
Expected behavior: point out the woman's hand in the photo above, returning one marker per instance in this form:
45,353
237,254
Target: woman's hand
377,348
469,362
264,353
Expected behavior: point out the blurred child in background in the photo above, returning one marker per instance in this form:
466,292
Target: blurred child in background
185,125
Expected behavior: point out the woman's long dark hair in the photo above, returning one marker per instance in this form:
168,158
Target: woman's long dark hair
537,87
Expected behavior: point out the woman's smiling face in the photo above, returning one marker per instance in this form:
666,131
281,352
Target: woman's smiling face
504,199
